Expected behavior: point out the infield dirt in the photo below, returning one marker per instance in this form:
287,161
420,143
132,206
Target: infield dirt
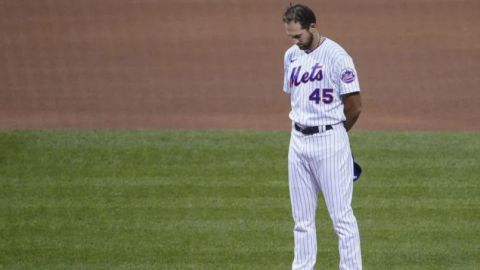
118,64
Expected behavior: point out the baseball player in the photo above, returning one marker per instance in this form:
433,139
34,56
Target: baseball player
321,79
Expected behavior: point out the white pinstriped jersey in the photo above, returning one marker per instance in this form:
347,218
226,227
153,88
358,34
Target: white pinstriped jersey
316,81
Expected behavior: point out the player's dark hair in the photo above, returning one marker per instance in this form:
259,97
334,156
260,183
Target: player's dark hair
301,14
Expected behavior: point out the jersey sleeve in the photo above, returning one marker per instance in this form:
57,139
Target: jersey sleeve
346,75
286,62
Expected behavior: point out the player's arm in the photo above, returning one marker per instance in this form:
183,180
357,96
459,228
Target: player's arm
352,107
286,63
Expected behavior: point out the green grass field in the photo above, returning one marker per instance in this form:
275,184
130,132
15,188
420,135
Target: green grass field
219,200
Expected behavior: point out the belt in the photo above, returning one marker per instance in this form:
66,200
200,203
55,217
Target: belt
311,130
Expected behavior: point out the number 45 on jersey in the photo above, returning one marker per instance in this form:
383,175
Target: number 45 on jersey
325,95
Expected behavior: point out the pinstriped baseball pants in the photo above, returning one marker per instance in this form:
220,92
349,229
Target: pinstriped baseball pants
322,163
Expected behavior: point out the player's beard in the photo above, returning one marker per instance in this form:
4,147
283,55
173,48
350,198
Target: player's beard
308,44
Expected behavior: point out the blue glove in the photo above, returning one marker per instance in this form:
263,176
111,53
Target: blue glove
357,171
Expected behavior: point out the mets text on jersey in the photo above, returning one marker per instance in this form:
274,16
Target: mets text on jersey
314,75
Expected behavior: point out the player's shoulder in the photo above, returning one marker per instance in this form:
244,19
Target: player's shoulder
335,50
291,52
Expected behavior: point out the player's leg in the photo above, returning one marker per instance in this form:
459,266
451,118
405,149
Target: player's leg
303,196
335,176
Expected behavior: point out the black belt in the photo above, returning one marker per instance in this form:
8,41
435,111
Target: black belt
311,130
